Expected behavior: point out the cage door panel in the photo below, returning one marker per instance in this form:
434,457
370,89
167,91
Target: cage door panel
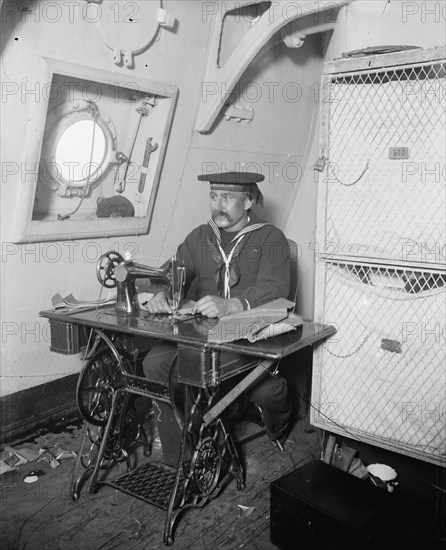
385,180
382,377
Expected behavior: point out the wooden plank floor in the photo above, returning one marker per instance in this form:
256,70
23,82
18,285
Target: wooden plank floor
40,515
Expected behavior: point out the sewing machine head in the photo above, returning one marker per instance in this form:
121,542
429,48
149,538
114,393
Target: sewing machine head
113,270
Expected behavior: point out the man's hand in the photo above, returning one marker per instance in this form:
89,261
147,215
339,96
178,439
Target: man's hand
158,304
214,306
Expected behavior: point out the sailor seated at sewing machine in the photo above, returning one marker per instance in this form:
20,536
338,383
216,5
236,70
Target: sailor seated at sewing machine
233,263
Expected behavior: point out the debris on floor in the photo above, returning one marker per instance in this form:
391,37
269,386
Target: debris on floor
11,458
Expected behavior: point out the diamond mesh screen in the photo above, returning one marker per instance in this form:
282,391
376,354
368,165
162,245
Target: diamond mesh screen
378,206
382,376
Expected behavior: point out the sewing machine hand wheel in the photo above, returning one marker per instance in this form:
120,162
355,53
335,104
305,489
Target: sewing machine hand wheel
106,266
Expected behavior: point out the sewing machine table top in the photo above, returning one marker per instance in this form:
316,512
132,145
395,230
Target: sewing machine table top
191,330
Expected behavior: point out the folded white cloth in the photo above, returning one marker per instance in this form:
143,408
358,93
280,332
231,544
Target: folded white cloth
70,302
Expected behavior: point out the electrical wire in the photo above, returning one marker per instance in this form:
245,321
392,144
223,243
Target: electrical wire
329,419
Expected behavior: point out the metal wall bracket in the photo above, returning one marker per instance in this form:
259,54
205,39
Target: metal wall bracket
264,28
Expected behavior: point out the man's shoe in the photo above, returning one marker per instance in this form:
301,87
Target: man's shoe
280,440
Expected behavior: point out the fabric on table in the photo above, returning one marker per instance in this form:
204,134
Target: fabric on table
258,323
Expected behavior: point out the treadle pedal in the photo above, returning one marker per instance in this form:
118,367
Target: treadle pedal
153,483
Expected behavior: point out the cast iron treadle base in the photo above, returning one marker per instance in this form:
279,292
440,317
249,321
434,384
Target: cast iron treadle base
153,483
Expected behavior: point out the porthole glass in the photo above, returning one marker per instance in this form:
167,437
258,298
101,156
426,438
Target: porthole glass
80,151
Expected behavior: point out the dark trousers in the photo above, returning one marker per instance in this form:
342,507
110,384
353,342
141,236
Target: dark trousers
270,394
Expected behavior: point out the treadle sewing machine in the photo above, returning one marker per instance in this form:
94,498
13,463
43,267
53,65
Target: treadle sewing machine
109,382
112,270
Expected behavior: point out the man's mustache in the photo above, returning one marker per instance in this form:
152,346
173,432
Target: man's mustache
221,214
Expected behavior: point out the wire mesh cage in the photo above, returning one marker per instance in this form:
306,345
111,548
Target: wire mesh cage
382,377
385,179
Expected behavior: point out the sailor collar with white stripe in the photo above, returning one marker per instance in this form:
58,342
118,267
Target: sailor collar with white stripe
231,271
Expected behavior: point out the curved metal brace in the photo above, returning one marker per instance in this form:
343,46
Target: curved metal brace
255,39
161,19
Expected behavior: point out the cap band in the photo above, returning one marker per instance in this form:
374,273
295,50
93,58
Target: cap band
232,178
232,187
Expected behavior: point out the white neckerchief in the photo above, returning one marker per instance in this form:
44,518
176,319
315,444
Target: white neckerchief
238,239
227,260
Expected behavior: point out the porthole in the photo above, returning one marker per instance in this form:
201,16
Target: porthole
80,145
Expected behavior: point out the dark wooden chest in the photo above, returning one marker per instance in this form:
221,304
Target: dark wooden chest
319,507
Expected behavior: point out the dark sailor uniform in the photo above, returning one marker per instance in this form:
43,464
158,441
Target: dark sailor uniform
252,265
